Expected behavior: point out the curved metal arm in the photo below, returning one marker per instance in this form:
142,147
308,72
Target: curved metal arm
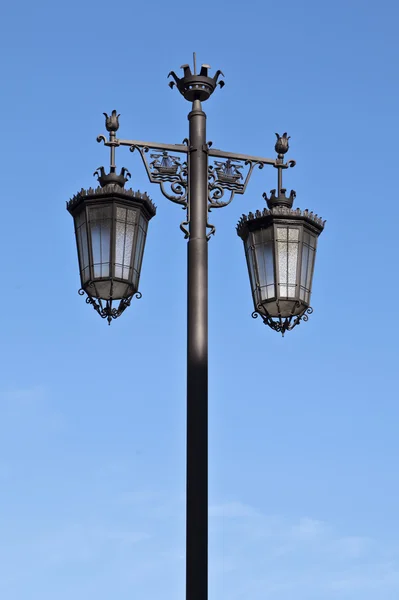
229,172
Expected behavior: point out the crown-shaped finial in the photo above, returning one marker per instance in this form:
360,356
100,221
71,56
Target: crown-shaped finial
112,177
196,87
281,199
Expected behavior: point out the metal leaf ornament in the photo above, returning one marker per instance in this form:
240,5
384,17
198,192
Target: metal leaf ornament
112,121
282,145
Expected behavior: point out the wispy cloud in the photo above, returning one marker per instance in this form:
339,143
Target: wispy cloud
259,555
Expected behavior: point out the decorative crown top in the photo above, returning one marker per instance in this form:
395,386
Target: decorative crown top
196,87
105,179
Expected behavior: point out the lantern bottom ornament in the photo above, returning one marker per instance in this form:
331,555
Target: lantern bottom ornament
280,248
283,324
107,310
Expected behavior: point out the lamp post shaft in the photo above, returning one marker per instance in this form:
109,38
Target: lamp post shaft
197,363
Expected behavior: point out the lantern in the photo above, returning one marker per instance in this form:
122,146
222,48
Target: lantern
280,247
111,228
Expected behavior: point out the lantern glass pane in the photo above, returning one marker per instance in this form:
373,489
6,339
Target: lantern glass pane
100,220
287,246
138,257
308,258
249,253
263,240
124,235
81,238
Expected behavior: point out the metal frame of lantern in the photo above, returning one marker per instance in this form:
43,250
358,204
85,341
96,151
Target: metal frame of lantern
200,178
110,228
280,247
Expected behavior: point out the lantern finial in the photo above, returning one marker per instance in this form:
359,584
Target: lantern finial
281,199
112,125
112,177
278,197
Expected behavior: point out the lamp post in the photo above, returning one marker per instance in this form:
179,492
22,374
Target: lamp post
280,243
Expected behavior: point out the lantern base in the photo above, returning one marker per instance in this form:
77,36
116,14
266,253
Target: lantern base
279,323
109,288
107,311
286,307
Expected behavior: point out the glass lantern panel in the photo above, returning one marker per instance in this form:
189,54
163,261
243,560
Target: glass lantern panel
250,261
308,258
263,240
124,234
138,257
287,247
100,220
249,254
83,251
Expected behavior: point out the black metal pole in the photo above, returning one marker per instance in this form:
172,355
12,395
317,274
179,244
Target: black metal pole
197,363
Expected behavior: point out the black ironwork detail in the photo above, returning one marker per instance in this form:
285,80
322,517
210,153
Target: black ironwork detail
195,86
212,231
111,189
183,227
227,176
165,168
228,172
282,212
280,199
282,324
112,177
102,138
282,145
112,121
107,311
104,179
164,165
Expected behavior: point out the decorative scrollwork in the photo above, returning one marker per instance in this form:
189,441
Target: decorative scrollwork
183,227
107,311
282,324
212,231
227,176
165,168
309,312
229,173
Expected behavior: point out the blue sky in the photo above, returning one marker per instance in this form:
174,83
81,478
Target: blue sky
304,449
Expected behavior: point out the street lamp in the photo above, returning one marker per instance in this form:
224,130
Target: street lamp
280,243
110,228
280,248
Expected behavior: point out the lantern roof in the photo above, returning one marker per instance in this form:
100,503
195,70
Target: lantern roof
279,212
113,190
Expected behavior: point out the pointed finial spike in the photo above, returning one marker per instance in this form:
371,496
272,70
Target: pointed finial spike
195,62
